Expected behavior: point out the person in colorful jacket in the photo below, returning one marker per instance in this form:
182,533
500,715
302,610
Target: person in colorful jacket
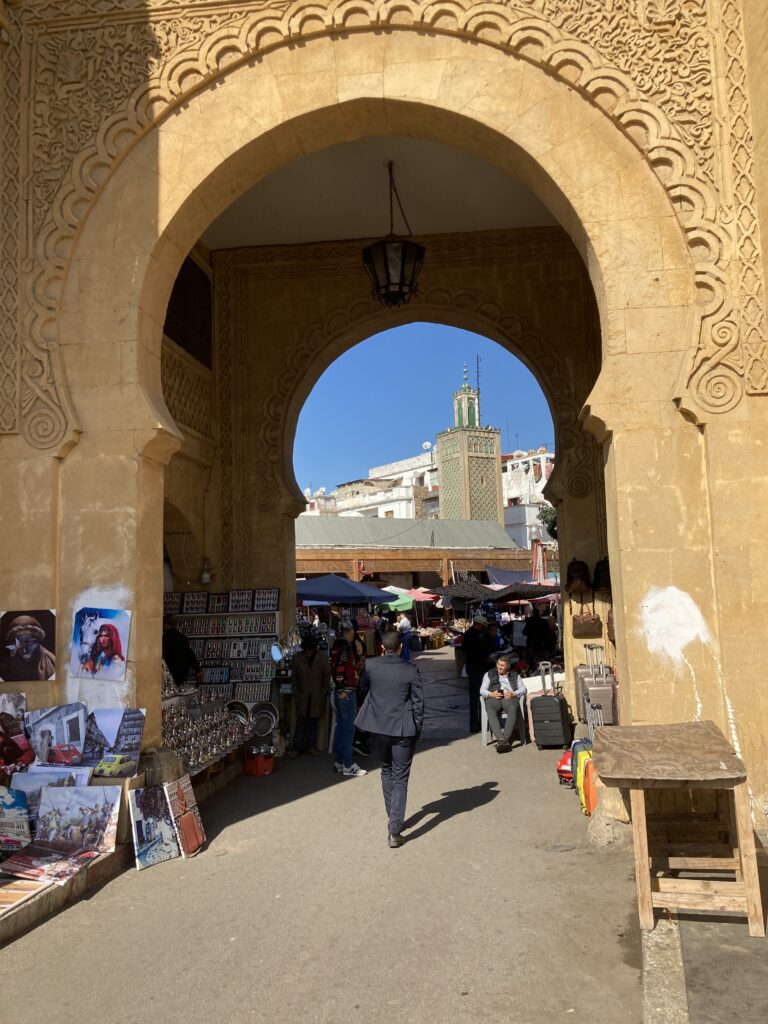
347,663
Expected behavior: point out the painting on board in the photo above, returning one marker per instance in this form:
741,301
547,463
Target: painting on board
32,785
75,825
27,645
154,837
57,734
186,816
113,742
15,749
14,820
100,643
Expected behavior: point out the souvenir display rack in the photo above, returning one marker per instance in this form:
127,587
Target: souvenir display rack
231,634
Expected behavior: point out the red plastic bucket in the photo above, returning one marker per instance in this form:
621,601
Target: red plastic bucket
260,764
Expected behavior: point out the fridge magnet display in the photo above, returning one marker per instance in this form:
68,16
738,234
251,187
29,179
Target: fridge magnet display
16,751
100,643
187,823
57,734
27,645
154,837
14,820
75,825
113,742
195,602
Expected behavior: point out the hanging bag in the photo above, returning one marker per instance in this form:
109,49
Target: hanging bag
587,625
601,579
577,578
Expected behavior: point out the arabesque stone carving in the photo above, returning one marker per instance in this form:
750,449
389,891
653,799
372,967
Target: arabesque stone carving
102,72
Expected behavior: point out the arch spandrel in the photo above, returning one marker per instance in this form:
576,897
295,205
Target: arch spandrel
624,61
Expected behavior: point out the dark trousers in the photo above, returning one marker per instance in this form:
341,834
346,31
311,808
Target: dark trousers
493,708
396,754
305,735
475,676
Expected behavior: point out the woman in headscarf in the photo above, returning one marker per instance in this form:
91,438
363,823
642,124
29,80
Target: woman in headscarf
106,657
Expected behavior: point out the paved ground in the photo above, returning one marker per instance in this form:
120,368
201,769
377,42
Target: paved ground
496,909
726,971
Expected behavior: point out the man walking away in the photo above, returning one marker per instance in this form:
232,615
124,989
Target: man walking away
393,712
311,685
404,629
178,655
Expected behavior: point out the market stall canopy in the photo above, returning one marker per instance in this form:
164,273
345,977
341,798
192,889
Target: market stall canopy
340,590
506,577
420,595
471,590
403,602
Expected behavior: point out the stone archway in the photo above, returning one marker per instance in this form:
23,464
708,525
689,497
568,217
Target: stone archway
633,191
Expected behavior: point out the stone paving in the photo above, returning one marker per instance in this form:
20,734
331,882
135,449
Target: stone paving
496,909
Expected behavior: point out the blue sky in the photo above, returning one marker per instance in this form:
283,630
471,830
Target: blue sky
381,400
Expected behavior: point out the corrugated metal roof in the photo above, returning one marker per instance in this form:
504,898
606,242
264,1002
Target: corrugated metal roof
366,532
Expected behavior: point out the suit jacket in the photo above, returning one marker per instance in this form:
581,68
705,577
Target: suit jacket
394,703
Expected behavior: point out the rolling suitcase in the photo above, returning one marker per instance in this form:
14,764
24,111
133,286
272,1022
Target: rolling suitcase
600,685
579,675
549,713
545,687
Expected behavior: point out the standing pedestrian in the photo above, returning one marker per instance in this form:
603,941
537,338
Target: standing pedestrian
311,672
345,671
393,712
404,629
477,648
178,655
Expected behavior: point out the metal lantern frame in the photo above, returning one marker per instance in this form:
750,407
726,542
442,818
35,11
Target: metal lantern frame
394,263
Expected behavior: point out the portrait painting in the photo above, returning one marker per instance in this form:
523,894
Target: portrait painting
14,820
15,749
27,645
100,643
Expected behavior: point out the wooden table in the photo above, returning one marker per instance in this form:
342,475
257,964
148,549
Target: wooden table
693,756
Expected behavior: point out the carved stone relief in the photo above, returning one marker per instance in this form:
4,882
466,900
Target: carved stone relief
100,72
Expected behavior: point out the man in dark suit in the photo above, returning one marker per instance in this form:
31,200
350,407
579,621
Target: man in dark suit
393,712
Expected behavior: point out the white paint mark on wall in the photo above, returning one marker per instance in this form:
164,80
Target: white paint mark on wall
671,620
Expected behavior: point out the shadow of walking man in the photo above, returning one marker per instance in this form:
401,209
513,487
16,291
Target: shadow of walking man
457,801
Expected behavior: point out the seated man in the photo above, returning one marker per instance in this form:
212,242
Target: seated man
502,690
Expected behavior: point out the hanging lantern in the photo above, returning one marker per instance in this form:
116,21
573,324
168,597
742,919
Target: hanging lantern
394,262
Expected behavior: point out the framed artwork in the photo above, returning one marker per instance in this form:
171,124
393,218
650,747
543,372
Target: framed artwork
27,645
57,734
187,823
113,742
154,836
14,820
16,752
100,643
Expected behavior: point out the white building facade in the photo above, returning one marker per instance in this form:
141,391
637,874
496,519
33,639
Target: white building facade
524,476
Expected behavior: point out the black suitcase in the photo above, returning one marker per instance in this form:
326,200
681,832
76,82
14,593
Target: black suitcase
551,721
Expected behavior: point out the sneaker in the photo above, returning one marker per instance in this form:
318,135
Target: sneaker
338,767
354,769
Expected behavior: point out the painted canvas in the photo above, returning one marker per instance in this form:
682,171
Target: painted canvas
113,741
15,749
14,820
81,775
187,823
100,643
154,837
57,734
33,784
75,825
14,892
27,645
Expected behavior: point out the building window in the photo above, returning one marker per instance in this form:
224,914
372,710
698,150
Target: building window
389,515
189,319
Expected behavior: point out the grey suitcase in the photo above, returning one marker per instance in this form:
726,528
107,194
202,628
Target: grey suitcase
599,686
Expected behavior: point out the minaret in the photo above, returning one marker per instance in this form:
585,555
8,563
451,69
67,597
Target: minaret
469,462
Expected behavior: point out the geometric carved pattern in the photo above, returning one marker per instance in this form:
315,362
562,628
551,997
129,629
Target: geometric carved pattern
187,389
10,121
103,71
450,487
484,499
